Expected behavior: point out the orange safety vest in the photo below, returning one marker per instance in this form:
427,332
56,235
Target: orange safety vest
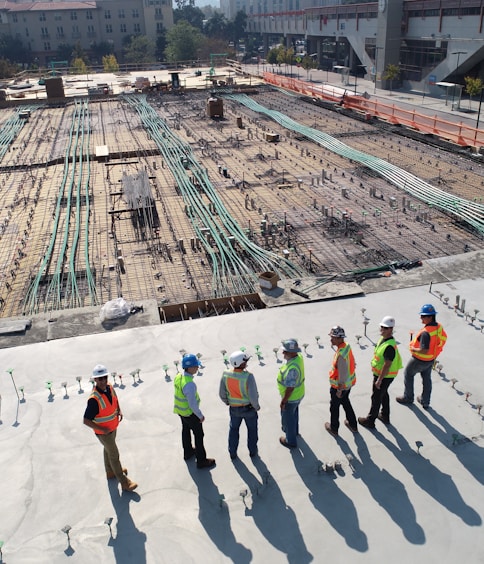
108,413
236,385
345,351
438,338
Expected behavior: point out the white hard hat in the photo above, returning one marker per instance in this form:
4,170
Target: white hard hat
387,321
237,358
99,371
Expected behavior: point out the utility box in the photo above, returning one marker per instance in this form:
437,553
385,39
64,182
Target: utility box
215,107
272,137
268,280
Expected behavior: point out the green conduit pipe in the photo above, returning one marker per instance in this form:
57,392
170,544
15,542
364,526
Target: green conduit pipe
230,272
469,212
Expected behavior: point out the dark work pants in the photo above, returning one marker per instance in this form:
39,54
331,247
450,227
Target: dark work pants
192,424
380,397
334,404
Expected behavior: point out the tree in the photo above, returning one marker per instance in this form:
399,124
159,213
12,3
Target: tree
474,87
239,25
139,49
6,69
309,63
160,45
391,73
110,64
194,16
183,42
65,52
79,66
12,49
216,26
100,50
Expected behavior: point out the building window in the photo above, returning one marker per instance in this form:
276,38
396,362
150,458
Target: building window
14,18
42,16
73,15
90,30
89,15
109,28
121,14
135,13
159,27
137,28
44,32
75,31
46,45
122,28
60,31
107,14
26,32
158,14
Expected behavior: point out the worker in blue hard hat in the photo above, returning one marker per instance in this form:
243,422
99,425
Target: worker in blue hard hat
425,347
187,406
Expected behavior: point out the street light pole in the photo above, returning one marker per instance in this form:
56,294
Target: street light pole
458,53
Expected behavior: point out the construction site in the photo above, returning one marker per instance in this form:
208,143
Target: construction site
198,195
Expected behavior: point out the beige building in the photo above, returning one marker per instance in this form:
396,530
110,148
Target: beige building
43,26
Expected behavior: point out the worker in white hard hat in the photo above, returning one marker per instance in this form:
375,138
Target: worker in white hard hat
103,415
385,364
238,390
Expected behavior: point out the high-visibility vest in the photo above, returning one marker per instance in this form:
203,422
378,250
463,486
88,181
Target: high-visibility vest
345,351
181,406
107,416
297,364
438,338
236,386
378,359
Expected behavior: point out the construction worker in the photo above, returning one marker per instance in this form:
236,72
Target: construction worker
103,415
238,390
385,364
187,402
425,347
290,381
341,379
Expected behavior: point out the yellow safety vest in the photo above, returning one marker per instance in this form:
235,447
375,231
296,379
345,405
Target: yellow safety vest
378,360
181,406
296,363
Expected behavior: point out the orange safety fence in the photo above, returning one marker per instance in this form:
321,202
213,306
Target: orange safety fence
458,133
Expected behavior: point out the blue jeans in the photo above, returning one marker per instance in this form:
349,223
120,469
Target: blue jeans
237,415
413,367
290,422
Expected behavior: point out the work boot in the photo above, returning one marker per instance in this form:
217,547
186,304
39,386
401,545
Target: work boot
207,463
128,485
383,419
330,430
110,475
368,423
403,400
352,429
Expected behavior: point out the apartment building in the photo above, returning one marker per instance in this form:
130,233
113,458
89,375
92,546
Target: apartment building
43,26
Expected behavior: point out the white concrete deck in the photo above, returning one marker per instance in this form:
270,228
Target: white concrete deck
390,502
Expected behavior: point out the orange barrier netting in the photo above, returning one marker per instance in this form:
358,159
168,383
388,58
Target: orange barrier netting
458,133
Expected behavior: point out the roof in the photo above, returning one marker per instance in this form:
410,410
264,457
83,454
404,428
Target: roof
50,6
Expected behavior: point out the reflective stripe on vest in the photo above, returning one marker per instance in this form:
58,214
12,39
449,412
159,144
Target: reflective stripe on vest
181,406
345,351
378,359
107,416
438,338
236,386
297,364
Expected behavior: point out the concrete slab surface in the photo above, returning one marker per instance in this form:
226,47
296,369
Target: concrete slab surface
412,491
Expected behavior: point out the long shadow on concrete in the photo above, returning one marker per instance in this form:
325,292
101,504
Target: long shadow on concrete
272,516
388,492
337,508
129,544
429,478
214,515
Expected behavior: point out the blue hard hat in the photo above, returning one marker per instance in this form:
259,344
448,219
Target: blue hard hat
428,309
190,360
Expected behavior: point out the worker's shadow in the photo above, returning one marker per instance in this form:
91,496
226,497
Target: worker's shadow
129,542
389,493
431,479
337,508
272,516
468,452
215,517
